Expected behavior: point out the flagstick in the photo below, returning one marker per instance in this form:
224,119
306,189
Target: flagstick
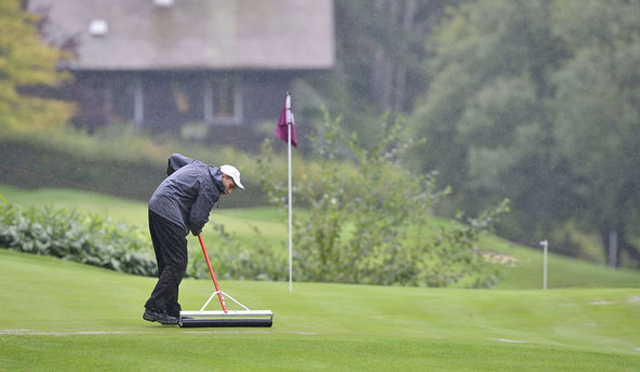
288,118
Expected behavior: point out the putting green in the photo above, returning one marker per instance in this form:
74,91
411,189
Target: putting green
58,315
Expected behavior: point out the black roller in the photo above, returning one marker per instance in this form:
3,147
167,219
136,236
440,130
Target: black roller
227,322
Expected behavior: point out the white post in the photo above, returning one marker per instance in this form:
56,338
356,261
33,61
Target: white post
545,244
289,117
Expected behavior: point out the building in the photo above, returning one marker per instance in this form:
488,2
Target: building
163,65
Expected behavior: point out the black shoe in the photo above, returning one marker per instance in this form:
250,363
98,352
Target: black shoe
174,311
159,316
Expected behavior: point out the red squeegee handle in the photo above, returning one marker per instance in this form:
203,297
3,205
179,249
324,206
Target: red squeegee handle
213,276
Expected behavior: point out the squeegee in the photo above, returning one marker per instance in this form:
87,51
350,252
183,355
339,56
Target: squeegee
224,317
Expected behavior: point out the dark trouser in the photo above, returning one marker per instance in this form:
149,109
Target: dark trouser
170,245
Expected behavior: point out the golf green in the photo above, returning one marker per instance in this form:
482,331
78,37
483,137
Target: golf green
58,315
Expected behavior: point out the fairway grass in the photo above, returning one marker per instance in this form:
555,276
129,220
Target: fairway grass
61,316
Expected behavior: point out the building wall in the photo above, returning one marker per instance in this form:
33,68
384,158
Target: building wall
234,107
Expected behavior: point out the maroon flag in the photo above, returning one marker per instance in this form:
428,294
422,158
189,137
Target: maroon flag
286,116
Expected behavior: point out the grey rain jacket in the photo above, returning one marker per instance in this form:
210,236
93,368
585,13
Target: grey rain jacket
188,194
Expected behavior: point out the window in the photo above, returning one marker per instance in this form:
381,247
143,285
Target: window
122,95
222,102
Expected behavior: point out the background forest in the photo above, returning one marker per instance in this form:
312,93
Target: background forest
536,101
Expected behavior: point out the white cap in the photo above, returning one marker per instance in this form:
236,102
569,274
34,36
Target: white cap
232,172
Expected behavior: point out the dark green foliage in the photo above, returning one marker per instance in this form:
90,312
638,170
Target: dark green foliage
33,163
537,101
125,165
379,50
91,240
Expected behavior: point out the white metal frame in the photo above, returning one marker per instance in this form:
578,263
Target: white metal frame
228,313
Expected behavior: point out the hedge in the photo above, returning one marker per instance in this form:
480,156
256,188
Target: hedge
121,167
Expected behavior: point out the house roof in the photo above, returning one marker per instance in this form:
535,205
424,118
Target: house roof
192,34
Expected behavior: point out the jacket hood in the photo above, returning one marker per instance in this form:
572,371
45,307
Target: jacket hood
216,175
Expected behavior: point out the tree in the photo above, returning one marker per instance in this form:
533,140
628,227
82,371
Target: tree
25,61
484,116
596,111
380,49
537,101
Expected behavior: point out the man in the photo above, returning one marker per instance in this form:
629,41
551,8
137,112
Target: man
180,204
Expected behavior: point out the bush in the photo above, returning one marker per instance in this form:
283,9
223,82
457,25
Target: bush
91,240
115,163
371,224
66,159
98,241
239,258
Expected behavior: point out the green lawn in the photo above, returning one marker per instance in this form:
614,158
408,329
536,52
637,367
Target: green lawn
58,315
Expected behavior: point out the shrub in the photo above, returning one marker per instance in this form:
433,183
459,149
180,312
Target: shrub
371,224
99,241
119,163
91,240
238,258
67,159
